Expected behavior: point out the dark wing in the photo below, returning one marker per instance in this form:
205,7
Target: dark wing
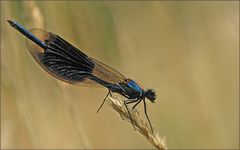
67,63
61,59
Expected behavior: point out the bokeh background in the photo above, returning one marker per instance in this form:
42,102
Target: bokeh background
187,51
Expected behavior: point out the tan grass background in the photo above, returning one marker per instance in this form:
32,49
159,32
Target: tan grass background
187,51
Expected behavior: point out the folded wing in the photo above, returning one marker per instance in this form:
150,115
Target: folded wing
69,64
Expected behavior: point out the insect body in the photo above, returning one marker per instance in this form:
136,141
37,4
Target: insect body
69,64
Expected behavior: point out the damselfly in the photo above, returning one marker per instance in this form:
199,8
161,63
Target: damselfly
69,64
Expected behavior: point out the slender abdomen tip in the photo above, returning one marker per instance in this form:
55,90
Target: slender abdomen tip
11,22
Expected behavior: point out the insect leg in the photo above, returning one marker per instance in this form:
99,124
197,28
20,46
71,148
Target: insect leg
129,101
109,92
126,103
145,111
136,103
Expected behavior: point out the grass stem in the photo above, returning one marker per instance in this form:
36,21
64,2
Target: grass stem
140,125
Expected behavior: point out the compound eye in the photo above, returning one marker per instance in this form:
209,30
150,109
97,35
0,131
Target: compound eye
151,95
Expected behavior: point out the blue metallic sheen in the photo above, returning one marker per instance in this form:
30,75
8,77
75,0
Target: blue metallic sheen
134,86
27,33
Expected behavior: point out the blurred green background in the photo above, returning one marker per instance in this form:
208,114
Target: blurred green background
187,51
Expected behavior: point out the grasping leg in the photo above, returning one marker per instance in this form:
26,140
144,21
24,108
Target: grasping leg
126,103
109,92
136,103
145,111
